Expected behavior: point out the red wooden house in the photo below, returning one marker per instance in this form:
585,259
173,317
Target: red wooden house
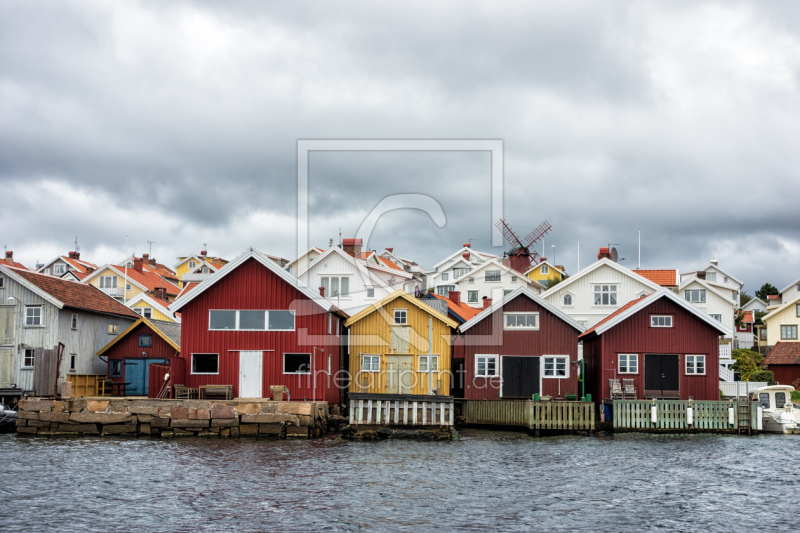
784,362
668,348
253,325
130,354
517,347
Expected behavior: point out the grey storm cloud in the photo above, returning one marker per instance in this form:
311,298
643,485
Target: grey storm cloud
178,123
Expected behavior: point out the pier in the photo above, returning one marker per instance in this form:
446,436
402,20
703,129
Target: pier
530,414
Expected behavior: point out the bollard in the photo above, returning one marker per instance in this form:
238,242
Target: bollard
654,413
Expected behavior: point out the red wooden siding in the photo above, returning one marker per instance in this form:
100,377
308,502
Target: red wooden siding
688,335
785,374
128,348
253,286
554,337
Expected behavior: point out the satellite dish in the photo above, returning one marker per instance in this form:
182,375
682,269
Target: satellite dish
614,254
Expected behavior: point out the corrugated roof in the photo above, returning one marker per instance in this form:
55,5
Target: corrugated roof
172,330
784,353
665,278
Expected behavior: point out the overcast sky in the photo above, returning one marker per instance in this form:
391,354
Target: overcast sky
177,122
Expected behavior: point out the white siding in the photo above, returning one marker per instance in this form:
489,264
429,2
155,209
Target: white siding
491,289
714,304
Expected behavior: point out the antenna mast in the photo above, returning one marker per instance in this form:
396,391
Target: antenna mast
151,243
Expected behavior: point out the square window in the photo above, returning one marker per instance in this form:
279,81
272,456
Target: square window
556,367
545,269
145,341
222,320
445,276
252,320
371,363
605,295
567,299
695,296
281,321
716,317
400,316
205,363
472,297
513,279
297,363
147,312
370,293
192,264
113,329
28,358
661,321
422,364
33,316
628,363
789,332
116,368
486,366
471,280
58,269
696,364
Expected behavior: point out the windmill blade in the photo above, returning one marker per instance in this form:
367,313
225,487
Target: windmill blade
508,233
535,257
538,233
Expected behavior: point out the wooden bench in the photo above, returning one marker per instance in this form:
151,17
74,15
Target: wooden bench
216,392
185,393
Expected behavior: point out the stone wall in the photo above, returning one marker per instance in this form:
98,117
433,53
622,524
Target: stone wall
172,418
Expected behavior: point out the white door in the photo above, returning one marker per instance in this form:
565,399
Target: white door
250,374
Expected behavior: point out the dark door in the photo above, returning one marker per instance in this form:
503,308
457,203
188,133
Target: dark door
661,375
137,374
520,376
457,387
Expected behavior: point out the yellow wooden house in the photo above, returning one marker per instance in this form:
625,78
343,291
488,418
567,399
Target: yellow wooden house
152,308
197,267
125,284
389,348
545,272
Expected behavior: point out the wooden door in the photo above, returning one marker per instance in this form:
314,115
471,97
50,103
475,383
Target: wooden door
662,375
135,372
521,376
7,345
399,374
250,374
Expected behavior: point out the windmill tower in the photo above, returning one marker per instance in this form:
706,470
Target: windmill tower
520,255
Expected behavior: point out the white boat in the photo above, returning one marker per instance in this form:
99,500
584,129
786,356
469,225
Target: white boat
779,415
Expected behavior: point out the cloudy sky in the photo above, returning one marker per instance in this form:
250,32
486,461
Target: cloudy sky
178,123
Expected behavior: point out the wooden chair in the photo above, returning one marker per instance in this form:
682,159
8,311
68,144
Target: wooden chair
185,393
616,389
628,389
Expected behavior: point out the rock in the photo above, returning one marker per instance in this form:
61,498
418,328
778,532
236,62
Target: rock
144,429
304,420
296,408
29,430
38,424
247,408
199,414
167,433
224,432
269,408
26,404
88,429
268,419
297,432
159,421
248,429
21,423
234,432
219,410
28,415
187,423
270,429
183,433
58,405
54,416
118,408
97,406
179,412
385,433
144,419
224,422
144,407
100,418
119,429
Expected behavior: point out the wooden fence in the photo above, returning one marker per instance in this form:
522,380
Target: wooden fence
675,415
531,414
401,410
84,385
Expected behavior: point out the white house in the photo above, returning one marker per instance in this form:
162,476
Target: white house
787,294
456,266
419,278
755,304
721,280
303,260
492,279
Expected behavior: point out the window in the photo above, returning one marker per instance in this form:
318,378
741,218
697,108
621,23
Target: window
492,275
72,362
58,269
471,280
422,363
486,366
712,277
445,276
763,399
370,293
605,295
780,400
660,321
371,363
127,286
108,282
205,363
145,341
192,264
556,367
513,279
116,369
796,306
444,290
250,320
545,269
47,271
506,292
401,316
147,312
33,316
628,363
2,282
762,334
789,333
472,297
458,272
113,329
696,296
297,363
74,321
27,358
567,299
716,317
696,364
335,286
520,320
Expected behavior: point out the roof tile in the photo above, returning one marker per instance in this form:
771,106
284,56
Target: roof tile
784,353
665,278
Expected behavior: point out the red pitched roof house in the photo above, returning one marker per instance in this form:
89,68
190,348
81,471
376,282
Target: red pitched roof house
253,325
456,309
70,263
9,261
665,278
668,348
784,362
37,312
515,348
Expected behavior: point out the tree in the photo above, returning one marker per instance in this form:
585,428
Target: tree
750,366
765,290
757,316
552,282
744,298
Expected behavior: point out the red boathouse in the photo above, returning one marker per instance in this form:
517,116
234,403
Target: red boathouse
516,348
252,325
664,347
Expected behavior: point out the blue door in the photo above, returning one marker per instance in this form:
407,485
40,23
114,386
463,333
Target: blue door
137,374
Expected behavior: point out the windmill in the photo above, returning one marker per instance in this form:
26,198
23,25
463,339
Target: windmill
521,256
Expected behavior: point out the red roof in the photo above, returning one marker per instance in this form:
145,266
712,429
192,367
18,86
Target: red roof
612,315
150,280
12,264
784,353
388,263
188,287
77,264
76,295
665,278
466,312
773,297
747,316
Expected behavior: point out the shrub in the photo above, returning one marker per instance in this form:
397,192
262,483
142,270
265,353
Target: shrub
762,375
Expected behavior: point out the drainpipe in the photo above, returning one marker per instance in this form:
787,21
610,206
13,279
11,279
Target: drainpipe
430,355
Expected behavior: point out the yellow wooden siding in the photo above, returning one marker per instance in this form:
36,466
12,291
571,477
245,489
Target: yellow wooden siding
135,291
373,335
787,317
536,275
157,314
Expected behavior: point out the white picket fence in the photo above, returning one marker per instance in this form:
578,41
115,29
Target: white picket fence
732,389
725,373
725,351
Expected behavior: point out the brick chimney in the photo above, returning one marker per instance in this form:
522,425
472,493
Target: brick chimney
604,252
160,292
487,302
352,247
465,255
542,259
455,297
74,255
137,264
467,245
203,253
390,250
145,259
9,255
322,291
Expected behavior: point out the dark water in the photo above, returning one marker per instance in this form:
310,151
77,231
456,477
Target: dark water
483,481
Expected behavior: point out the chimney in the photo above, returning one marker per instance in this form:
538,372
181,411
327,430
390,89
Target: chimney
487,302
161,292
145,259
455,297
89,270
322,291
9,255
542,259
204,253
74,255
714,262
604,252
352,247
465,255
152,261
389,250
137,264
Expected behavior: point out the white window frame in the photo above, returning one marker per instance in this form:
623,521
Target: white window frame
113,329
104,283
147,312
609,290
326,282
513,279
370,292
283,364
372,359
192,264
516,328
545,269
191,365
425,367
712,277
487,358
33,320
460,272
470,280
493,272
59,269
402,314
629,358
660,321
691,365
470,295
25,365
555,359
445,276
266,319
690,294
716,316
444,290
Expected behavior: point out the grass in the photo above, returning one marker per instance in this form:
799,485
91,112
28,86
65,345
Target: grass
796,396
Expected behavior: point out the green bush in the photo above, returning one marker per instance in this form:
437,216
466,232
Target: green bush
762,375
749,363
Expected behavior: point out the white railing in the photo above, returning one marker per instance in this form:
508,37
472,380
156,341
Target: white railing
732,389
402,412
114,292
725,351
725,373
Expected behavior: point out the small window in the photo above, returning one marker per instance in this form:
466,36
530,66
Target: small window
567,299
330,323
605,295
696,296
147,312
422,364
145,341
545,269
444,290
401,316
297,363
513,279
492,275
107,282
712,277
486,366
2,282
127,286
204,270
696,364
113,329
445,276
252,320
33,316
628,363
716,317
556,367
116,369
780,400
192,264
205,363
371,363
222,320
763,399
789,332
335,286
27,358
458,272
472,297
661,321
796,306
58,269
281,321
370,293
72,358
471,280
74,321
47,271
521,320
